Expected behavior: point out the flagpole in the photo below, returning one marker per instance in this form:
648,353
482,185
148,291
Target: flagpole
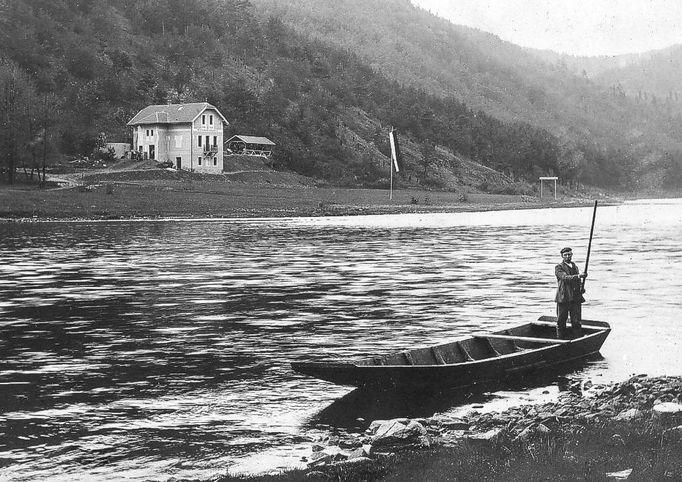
390,164
395,157
390,196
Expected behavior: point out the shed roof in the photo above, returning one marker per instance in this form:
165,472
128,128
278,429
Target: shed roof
172,113
253,140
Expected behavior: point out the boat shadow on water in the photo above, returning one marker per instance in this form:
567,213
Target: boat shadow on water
355,410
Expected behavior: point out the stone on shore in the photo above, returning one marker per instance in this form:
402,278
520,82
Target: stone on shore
393,431
622,475
377,424
638,400
627,415
362,452
667,413
332,453
491,436
532,431
454,424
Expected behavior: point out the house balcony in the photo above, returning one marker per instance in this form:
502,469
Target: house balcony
210,150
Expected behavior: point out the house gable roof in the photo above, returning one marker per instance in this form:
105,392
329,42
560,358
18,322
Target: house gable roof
253,140
172,114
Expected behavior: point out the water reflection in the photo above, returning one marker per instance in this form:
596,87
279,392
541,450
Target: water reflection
159,349
355,410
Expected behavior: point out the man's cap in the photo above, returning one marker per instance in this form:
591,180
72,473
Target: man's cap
566,250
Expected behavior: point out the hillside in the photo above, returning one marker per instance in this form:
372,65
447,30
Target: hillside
649,77
325,81
418,49
509,82
82,72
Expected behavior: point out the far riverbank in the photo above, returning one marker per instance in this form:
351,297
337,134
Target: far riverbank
209,199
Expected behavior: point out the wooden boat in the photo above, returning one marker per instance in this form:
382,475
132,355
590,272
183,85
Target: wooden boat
479,358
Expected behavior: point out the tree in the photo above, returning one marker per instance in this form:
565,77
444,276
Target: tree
45,144
16,93
571,161
428,156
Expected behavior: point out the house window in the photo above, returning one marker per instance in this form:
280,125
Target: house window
203,119
215,141
199,159
178,142
147,132
208,142
199,141
215,161
210,119
152,131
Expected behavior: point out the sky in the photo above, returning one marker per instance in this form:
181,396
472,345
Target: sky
577,27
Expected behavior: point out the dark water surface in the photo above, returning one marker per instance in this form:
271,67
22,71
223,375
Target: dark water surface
150,350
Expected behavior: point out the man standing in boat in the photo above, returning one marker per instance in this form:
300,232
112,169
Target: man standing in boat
569,294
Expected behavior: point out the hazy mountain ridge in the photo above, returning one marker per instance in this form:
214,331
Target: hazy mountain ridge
655,73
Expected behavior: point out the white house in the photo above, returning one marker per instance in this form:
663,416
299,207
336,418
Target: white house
188,135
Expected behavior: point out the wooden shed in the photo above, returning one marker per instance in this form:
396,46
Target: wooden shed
249,145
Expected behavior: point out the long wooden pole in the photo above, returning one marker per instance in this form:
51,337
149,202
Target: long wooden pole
589,245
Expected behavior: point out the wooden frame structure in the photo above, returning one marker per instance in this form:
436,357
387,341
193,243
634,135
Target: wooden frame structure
250,145
548,178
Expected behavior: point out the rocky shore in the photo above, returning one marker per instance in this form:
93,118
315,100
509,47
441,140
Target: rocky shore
624,431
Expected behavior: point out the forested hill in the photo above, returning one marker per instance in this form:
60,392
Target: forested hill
324,80
507,81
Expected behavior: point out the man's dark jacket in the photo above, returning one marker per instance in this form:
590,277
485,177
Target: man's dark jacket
568,290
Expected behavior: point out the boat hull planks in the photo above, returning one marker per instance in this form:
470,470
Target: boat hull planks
465,361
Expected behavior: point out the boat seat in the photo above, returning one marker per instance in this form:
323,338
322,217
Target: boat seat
513,343
438,356
585,324
490,346
550,341
464,351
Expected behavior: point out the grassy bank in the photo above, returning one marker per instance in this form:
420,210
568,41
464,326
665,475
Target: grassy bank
244,194
614,432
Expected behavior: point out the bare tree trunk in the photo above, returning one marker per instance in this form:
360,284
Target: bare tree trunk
42,182
10,100
11,161
31,137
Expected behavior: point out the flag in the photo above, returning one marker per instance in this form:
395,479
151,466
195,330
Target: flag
395,150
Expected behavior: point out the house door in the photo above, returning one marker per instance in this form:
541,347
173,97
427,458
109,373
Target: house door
151,152
178,162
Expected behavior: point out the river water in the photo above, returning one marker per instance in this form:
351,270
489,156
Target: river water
155,349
